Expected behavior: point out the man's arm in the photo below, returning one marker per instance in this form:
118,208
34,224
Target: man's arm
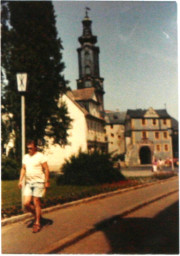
46,171
22,174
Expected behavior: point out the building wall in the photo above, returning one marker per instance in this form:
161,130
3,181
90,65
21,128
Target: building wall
94,109
116,141
151,133
77,139
95,131
138,124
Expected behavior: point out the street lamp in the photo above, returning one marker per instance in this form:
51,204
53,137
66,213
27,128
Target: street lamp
21,86
172,158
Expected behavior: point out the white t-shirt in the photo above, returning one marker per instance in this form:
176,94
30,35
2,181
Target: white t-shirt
34,170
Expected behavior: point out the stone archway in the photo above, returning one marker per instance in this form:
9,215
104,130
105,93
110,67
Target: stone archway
145,155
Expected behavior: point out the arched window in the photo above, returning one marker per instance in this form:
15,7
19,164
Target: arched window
87,70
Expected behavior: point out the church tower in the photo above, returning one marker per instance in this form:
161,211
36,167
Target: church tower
88,58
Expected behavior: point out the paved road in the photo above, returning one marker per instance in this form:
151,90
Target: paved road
152,229
18,238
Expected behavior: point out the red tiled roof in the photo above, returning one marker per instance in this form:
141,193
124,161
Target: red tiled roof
71,96
83,94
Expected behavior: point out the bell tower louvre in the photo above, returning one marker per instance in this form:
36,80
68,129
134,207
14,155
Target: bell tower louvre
88,59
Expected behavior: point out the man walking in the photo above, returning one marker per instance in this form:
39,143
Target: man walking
36,172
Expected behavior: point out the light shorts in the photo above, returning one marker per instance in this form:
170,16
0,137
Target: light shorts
34,189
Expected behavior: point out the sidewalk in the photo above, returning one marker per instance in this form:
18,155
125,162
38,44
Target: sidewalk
66,224
143,171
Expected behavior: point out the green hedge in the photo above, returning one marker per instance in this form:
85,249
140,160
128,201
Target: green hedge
89,169
10,169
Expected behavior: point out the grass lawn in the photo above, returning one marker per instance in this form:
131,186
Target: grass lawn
11,194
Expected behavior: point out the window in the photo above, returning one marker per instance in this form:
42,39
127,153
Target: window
165,135
111,126
158,148
157,135
87,70
115,116
86,54
112,135
144,135
154,121
164,121
143,121
166,147
87,84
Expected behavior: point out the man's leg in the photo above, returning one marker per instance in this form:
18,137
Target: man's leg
28,205
37,205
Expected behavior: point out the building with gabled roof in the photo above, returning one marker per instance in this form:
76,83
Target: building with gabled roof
141,135
147,136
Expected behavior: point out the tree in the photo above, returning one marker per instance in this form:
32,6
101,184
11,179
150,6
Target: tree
30,44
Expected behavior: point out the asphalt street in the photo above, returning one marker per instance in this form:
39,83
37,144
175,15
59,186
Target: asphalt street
152,229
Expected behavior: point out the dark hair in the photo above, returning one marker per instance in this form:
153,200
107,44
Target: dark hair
32,142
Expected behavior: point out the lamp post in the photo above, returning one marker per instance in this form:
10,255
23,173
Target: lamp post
172,158
21,86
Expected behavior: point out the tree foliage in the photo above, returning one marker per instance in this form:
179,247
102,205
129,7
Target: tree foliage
9,169
30,44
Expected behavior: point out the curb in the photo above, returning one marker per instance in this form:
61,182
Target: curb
25,216
75,237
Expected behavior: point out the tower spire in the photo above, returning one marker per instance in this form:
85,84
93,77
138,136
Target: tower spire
87,9
87,35
88,57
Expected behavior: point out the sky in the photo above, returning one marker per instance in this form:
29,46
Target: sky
138,50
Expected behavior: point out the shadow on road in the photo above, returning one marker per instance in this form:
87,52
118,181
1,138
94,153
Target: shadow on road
44,222
159,235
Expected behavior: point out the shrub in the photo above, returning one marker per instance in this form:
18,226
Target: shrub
10,169
89,169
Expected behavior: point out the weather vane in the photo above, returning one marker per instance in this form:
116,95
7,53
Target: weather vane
87,9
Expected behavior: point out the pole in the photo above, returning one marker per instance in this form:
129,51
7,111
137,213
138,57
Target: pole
23,142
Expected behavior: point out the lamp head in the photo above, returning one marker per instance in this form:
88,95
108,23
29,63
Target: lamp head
21,82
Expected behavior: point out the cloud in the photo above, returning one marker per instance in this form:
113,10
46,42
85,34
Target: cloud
166,35
125,38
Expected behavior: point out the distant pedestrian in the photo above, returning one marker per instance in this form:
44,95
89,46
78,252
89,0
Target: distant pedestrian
155,165
35,170
160,164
